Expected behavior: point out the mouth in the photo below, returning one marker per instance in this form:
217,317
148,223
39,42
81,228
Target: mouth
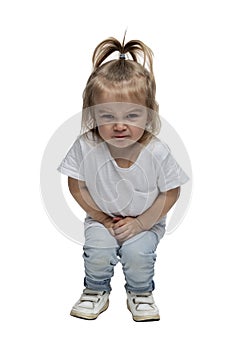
120,136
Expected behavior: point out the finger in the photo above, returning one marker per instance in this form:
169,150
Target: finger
120,230
111,231
116,219
120,223
123,235
124,238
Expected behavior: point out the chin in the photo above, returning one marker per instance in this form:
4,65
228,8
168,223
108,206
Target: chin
121,143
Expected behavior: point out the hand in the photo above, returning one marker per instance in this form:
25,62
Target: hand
109,222
126,228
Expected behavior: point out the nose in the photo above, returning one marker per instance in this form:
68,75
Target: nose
119,126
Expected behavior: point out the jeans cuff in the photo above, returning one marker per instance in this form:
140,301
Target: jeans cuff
98,286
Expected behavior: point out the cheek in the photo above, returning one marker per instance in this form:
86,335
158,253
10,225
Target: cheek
140,128
104,129
137,132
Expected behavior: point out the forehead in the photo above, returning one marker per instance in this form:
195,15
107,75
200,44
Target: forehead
119,108
118,96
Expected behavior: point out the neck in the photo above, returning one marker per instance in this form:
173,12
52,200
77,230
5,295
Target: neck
130,152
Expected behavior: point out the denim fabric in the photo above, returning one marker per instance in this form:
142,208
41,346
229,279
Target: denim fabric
137,256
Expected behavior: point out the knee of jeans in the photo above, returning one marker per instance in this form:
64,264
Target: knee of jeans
138,259
138,253
100,257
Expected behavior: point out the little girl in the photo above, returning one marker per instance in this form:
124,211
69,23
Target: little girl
123,177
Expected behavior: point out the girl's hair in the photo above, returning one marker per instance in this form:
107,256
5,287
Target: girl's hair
126,77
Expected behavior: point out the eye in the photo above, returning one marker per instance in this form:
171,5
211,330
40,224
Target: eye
132,116
107,117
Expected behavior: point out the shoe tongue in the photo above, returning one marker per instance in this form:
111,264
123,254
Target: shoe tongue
86,304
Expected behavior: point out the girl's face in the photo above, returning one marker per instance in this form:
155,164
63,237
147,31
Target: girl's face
120,124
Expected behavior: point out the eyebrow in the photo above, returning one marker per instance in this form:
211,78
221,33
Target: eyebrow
101,111
107,110
136,110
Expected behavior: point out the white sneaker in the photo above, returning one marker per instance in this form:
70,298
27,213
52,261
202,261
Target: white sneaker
90,304
142,306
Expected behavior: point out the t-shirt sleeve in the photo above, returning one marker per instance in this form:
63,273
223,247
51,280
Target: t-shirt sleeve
72,164
171,175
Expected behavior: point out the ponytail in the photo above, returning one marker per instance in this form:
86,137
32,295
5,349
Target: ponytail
135,48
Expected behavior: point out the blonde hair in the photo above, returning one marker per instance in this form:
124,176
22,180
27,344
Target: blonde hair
123,76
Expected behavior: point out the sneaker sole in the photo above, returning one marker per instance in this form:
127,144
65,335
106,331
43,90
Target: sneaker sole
145,318
85,316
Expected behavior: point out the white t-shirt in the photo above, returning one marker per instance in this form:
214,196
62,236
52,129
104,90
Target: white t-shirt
123,191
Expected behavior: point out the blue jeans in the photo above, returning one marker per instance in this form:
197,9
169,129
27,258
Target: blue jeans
137,256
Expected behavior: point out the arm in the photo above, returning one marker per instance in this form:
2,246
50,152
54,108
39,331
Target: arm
129,227
82,196
161,206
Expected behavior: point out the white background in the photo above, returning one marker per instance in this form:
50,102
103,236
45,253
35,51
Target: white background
46,49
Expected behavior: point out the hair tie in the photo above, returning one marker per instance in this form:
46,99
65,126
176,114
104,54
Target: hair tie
122,56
